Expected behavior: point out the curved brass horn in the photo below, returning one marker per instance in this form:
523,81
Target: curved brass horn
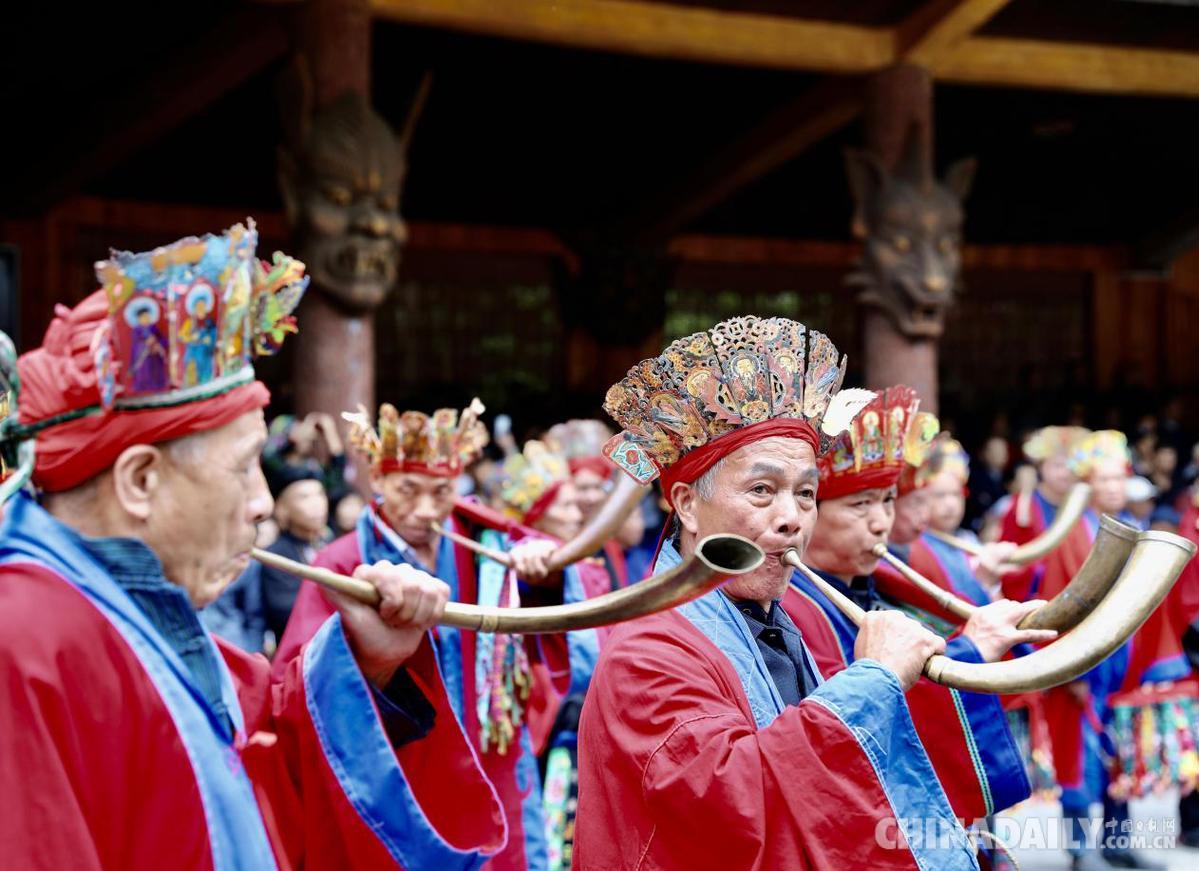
1113,544
623,499
1154,565
951,602
1044,544
716,558
1156,561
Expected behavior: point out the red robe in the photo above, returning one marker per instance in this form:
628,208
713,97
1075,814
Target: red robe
677,772
98,761
554,664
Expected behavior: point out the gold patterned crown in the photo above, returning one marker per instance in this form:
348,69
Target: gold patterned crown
442,445
740,372
529,476
1098,447
886,443
946,456
1052,441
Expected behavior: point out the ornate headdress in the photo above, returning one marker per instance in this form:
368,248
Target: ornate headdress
885,444
442,445
947,456
531,480
582,442
1052,441
708,394
1098,447
171,329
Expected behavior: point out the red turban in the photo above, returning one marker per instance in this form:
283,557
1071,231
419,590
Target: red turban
844,484
692,466
597,465
59,380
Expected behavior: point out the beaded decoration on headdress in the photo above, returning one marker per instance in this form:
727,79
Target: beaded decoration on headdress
441,445
946,456
528,476
890,435
186,319
1053,441
742,371
1098,447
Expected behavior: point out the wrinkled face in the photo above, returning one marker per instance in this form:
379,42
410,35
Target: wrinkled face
913,255
204,516
849,529
412,503
303,509
946,502
1109,480
563,519
343,197
766,492
1056,478
913,513
591,490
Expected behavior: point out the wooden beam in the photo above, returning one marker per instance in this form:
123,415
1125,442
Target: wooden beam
659,30
642,27
1028,63
939,25
784,134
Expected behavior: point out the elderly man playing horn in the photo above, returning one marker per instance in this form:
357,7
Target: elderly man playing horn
131,738
709,737
504,689
965,734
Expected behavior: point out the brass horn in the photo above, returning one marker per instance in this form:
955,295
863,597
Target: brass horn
1044,544
1113,543
716,558
1156,561
624,498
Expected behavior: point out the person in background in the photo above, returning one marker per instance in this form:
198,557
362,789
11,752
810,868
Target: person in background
1141,496
987,480
346,510
312,443
302,512
1165,518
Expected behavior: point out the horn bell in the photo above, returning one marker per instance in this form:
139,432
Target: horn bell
1156,561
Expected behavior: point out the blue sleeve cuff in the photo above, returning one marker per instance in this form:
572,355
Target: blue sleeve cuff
867,698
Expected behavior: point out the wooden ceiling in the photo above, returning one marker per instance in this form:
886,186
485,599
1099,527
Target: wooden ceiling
641,117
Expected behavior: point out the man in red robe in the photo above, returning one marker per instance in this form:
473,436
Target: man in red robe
131,738
709,737
965,733
505,690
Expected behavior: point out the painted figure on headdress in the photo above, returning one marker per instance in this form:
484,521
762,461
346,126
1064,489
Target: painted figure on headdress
199,335
148,369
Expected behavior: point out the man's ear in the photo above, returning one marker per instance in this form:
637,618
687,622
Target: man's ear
136,476
685,500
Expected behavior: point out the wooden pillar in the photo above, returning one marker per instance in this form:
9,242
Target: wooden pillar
897,98
335,349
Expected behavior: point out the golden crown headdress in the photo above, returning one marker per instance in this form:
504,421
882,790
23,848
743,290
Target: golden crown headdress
529,476
740,372
887,442
946,456
441,445
1051,441
1098,447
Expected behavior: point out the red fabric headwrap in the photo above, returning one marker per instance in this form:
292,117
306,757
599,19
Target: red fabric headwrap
599,465
868,479
691,467
59,377
542,505
391,464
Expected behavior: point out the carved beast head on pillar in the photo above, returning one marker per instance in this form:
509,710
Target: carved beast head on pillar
912,228
341,171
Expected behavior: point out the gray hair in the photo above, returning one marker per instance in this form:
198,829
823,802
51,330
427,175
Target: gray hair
705,484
